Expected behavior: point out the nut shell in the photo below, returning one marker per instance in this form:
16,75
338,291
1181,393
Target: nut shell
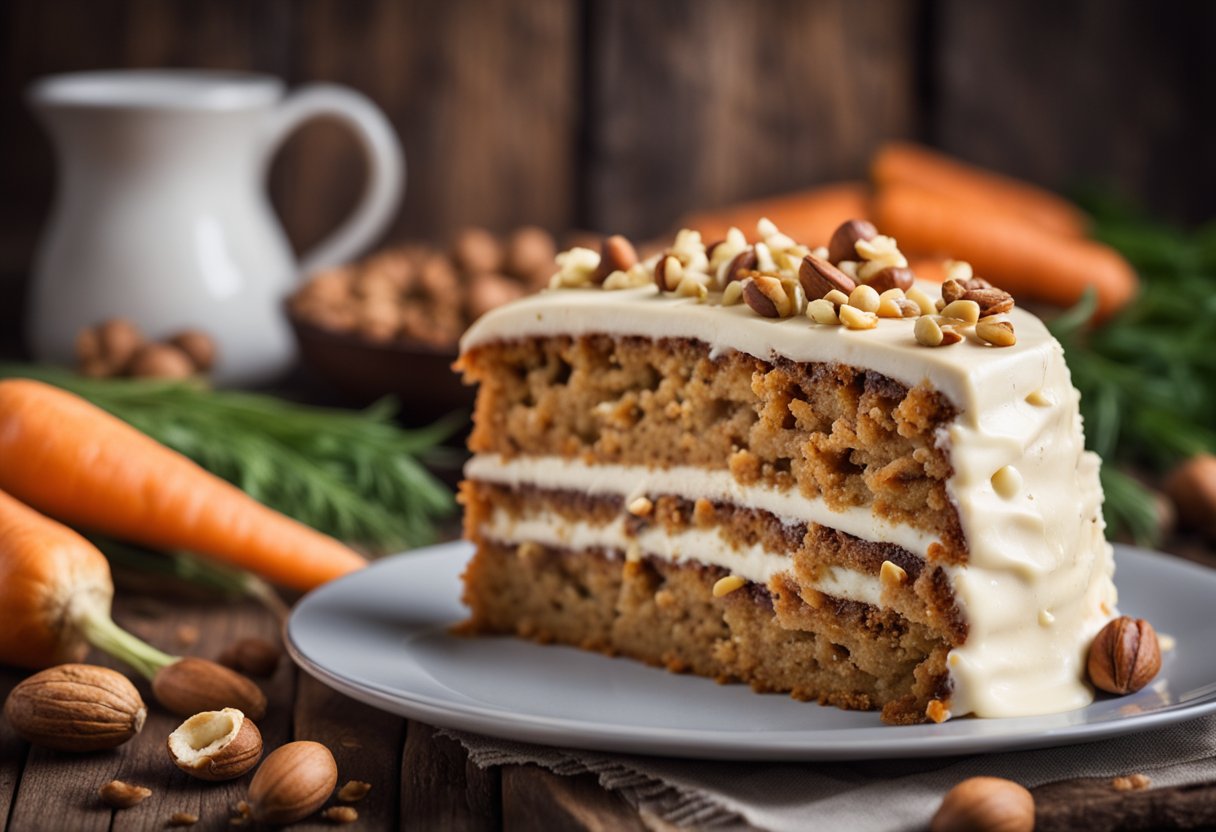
76,707
985,804
293,781
1124,656
216,745
191,685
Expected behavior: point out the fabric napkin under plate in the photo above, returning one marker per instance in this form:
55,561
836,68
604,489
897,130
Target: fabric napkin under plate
881,796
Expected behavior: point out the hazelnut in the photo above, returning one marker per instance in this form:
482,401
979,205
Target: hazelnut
108,348
991,301
617,254
985,804
843,245
477,250
893,277
252,656
1124,656
1192,487
330,286
818,277
489,291
437,277
198,347
742,263
294,781
161,361
216,745
530,250
766,296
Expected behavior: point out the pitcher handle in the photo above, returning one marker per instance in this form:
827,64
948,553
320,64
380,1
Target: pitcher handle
385,166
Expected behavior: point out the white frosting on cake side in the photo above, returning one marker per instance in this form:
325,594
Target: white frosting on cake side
702,546
1027,493
630,481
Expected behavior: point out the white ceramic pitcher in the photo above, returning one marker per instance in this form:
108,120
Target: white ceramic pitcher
161,213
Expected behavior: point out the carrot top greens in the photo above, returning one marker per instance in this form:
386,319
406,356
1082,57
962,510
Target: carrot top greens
354,475
1148,376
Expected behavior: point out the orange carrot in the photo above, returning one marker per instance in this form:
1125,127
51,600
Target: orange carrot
56,592
898,164
49,576
1021,258
807,216
79,464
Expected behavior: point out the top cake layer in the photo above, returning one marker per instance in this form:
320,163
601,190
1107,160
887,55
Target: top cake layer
1036,584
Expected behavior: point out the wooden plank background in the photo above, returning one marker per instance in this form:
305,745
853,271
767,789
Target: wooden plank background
624,114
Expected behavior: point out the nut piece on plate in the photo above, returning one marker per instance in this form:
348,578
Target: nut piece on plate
216,745
76,707
119,795
985,804
293,781
1124,656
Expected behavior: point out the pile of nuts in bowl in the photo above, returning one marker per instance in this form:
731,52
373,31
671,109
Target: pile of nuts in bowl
416,293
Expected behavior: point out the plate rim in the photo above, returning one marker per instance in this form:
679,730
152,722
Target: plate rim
564,732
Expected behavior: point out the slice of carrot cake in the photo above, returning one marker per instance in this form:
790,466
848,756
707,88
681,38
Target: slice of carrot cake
796,468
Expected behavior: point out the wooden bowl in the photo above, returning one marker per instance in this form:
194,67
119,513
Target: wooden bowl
420,376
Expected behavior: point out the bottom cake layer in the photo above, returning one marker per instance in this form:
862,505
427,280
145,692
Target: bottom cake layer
839,652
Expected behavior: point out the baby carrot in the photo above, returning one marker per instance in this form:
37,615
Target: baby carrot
899,163
77,463
1021,258
807,216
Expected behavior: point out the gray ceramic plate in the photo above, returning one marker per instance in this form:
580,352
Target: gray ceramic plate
381,636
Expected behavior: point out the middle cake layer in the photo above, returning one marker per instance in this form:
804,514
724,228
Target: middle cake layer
812,572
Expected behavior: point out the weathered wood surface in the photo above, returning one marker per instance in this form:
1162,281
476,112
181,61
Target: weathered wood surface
623,114
419,780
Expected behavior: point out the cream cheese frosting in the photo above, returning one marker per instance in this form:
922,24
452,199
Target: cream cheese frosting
751,562
1038,582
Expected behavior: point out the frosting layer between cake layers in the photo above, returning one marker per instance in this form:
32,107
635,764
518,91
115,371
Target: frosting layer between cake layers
1037,584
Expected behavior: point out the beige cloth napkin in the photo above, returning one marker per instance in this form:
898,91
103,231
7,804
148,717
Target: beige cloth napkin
861,797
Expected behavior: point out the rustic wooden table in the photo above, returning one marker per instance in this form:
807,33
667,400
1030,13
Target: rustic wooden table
419,779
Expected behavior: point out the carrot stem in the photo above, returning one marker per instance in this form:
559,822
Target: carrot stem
100,631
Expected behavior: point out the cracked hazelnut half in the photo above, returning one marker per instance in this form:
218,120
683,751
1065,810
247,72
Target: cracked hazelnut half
216,745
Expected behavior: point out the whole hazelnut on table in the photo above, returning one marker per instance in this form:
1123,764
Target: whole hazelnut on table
477,250
985,804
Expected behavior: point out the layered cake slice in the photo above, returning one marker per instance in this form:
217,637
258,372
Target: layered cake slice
793,468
